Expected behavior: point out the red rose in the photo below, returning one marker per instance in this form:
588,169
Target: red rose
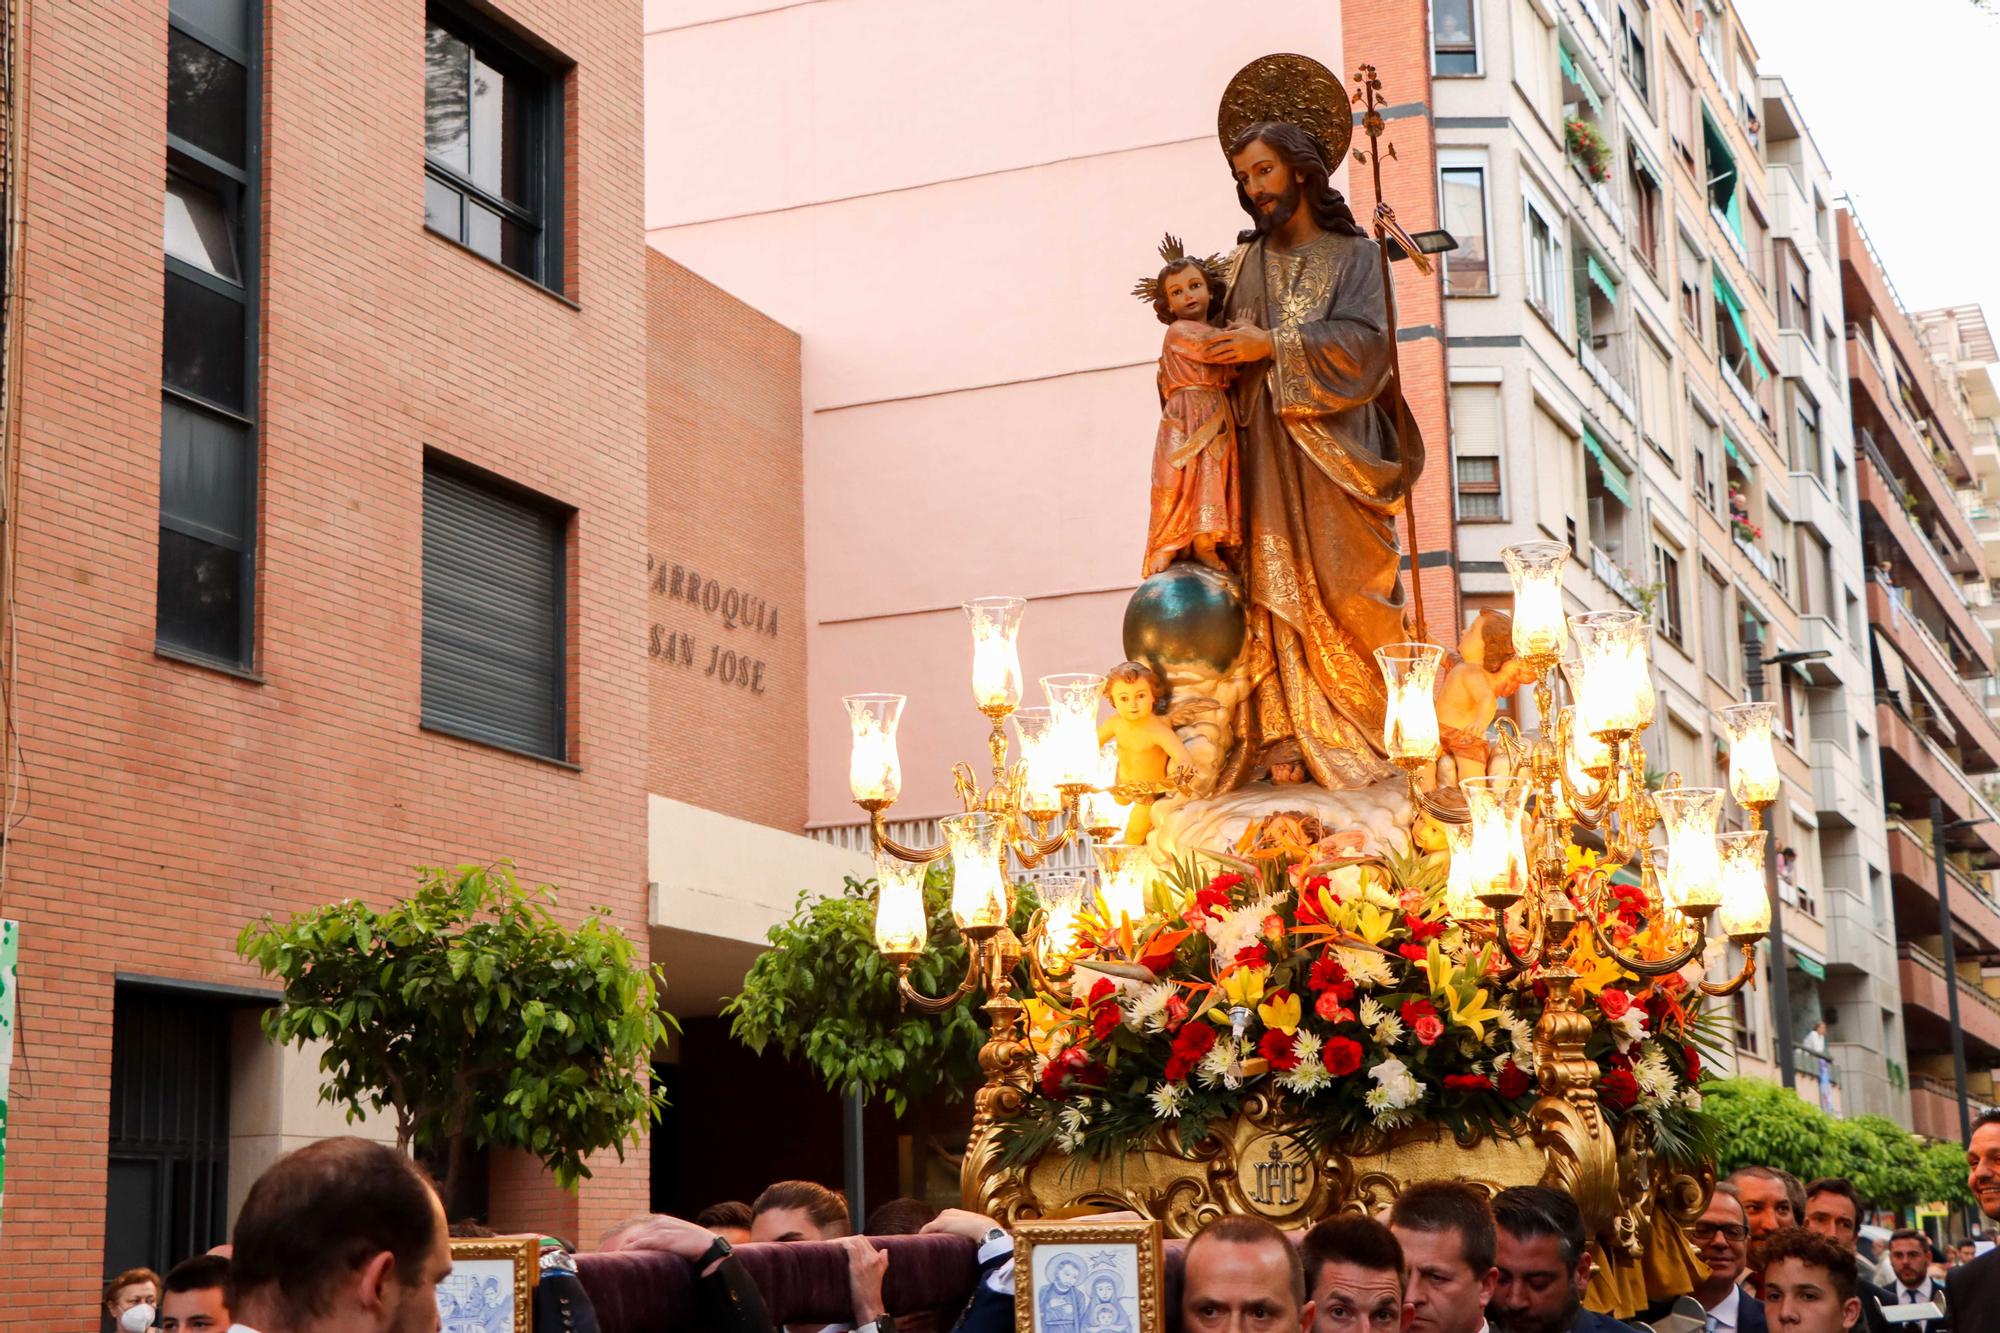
1416,1009
1413,952
1177,1011
1341,1055
1329,1007
1103,989
1618,1089
1104,1020
1422,931
1614,1003
1428,1029
1193,1042
1277,1047
1052,1080
1693,1062
1252,955
1225,882
1468,1082
1513,1081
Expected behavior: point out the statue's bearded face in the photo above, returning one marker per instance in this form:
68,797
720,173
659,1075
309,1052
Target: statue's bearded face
1273,188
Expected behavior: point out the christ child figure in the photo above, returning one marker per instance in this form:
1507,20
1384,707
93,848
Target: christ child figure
1469,695
1151,757
1197,502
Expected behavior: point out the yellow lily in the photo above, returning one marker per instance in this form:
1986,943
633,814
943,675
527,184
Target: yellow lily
1245,985
1372,923
1594,971
1281,1014
1472,1014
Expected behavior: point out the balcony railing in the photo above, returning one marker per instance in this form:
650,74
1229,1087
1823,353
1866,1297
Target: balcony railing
1605,371
1614,577
1934,965
1073,858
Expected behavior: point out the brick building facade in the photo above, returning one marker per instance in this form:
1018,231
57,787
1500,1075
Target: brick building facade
165,796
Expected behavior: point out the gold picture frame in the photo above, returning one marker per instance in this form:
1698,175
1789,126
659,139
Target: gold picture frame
491,1287
1067,1274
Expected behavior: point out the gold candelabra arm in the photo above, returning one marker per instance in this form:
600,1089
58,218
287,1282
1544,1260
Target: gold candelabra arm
1508,731
878,830
1643,967
930,1004
966,785
1747,976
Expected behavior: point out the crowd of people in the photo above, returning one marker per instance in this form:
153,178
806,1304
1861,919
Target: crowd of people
347,1236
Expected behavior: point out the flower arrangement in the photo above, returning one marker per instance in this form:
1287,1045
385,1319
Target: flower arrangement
1586,142
1339,986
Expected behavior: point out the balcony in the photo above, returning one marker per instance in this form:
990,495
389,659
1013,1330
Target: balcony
1965,709
1913,874
1864,1081
1839,794
1881,500
1927,1007
1934,1107
1603,372
1908,453
1915,767
1609,572
1854,943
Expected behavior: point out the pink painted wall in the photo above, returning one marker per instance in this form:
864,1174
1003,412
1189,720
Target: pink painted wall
949,202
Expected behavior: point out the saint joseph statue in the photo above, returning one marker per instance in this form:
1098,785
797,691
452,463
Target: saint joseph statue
1325,469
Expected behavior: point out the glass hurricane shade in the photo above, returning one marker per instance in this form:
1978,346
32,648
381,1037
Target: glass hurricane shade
901,926
1460,902
1497,806
1693,878
1746,902
1061,897
1615,694
1753,761
1536,569
996,658
978,841
1409,717
1034,732
874,773
1073,698
1122,874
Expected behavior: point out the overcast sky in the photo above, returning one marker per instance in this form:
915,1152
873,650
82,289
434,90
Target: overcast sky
1903,100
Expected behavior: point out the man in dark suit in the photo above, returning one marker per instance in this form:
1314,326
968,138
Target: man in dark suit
1973,1290
1910,1257
1544,1267
1723,1238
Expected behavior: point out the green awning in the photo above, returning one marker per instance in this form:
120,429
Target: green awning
1605,282
1743,460
1810,966
1733,306
1575,76
1614,476
1568,63
1735,214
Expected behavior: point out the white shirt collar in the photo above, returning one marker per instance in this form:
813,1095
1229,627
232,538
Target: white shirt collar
1725,1309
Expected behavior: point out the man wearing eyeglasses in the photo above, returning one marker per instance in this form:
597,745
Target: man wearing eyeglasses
1723,1237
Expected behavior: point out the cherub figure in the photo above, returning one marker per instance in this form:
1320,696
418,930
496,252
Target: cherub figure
1151,758
1469,695
1197,503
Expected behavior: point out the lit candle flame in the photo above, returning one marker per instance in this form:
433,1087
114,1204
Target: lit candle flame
874,772
1746,902
1409,715
901,926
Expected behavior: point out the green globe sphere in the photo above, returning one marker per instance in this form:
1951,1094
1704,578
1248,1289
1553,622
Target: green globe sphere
1188,615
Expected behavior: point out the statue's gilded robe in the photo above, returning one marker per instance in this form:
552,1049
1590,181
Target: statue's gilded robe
1323,482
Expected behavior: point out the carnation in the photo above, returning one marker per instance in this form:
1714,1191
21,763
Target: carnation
1512,1081
1618,1089
1235,929
1629,1030
1279,1050
1341,1056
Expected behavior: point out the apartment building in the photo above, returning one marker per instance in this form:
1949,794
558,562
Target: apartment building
1623,378
1936,740
325,503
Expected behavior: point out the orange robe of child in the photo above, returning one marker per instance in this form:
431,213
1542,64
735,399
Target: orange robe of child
1195,488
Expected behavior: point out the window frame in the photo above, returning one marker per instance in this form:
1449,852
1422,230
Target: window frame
1554,271
543,169
1477,45
1668,621
1471,162
241,189
561,563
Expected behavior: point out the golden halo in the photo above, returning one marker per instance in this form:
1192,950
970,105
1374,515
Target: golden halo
1292,88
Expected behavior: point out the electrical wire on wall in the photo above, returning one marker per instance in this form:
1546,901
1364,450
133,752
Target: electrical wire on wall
13,146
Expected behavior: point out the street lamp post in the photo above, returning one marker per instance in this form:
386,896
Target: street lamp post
1939,832
1781,977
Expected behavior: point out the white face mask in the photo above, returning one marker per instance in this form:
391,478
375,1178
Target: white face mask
136,1319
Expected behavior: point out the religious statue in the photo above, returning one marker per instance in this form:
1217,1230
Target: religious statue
1151,758
1468,698
1197,507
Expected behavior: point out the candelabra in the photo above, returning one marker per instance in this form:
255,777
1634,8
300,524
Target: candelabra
1583,770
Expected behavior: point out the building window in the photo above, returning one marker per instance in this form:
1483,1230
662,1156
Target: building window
1547,278
1703,435
1532,63
1467,270
1667,594
1794,291
1720,165
1607,502
1806,455
1820,222
493,149
1656,397
1756,243
1475,447
1715,624
208,417
1454,39
1735,350
1632,53
1680,110
1645,183
495,639
1691,267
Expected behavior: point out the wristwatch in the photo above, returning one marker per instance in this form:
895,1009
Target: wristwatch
886,1324
715,1254
993,1234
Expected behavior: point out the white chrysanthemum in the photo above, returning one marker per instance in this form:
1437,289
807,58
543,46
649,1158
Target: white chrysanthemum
1522,1036
1167,1099
1690,1097
1068,1142
1214,1067
1399,1087
1236,929
1307,1046
1074,1118
1309,1077
1148,1008
1388,1031
1371,1011
1365,967
1629,1029
1653,1074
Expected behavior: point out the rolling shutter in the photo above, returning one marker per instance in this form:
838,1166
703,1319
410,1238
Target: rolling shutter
493,616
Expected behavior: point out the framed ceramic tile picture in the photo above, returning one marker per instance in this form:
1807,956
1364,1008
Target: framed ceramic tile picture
1084,1277
491,1286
